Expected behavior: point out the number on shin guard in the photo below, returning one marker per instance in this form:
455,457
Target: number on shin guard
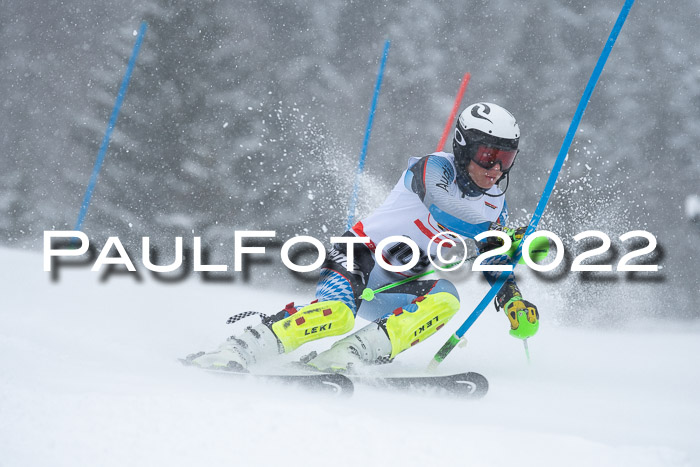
312,322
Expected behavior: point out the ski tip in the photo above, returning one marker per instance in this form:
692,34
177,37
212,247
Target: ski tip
338,385
475,384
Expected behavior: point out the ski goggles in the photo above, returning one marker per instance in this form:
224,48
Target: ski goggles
488,156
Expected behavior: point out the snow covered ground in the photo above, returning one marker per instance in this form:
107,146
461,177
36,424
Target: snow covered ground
89,376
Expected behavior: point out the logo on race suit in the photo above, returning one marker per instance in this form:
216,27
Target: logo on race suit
438,227
445,179
490,205
341,258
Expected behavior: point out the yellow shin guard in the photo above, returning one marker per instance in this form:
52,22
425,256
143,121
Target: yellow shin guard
411,324
315,321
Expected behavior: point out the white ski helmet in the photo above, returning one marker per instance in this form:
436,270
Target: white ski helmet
488,135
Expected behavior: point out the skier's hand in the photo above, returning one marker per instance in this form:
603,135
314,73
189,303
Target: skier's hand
523,316
494,242
538,249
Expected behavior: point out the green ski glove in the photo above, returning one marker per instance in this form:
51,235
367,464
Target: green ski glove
523,316
539,248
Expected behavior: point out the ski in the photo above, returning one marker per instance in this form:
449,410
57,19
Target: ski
330,383
468,385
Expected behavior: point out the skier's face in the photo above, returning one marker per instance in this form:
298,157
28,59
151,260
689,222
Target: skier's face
484,178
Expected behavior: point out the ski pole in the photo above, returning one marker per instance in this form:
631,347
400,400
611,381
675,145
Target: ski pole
454,339
368,131
539,250
368,294
455,108
527,351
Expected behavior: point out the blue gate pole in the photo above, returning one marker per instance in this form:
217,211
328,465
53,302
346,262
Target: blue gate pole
549,187
368,131
110,126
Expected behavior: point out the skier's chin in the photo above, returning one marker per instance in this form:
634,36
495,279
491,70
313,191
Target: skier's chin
487,185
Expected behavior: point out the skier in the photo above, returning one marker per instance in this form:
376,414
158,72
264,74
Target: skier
437,193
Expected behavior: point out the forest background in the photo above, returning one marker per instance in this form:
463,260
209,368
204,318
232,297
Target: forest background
250,115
